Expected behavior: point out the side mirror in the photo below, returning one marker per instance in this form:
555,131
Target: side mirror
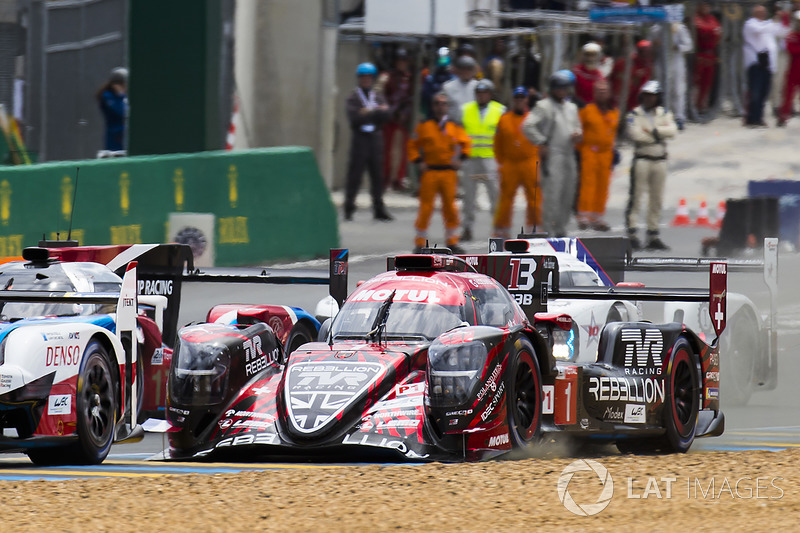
326,308
324,329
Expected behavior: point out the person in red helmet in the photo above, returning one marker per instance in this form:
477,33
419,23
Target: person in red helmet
641,72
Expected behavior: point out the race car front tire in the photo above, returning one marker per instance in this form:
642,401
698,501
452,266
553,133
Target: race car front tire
524,395
299,335
96,408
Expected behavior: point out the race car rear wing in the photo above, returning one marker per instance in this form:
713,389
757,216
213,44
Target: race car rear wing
716,295
532,279
126,303
163,270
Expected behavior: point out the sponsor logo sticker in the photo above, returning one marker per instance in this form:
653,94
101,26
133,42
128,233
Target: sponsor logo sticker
635,413
59,404
158,357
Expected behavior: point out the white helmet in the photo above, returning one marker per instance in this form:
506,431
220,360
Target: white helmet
651,87
592,48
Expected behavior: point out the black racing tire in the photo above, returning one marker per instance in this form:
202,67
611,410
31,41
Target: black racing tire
96,410
740,350
523,395
681,398
299,335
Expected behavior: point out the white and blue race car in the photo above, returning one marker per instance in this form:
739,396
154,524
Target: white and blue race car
748,346
69,385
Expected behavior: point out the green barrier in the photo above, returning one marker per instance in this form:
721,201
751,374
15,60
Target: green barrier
269,203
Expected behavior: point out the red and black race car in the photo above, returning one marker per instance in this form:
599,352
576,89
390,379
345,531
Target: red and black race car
435,361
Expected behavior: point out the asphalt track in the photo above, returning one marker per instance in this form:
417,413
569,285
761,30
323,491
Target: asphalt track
770,421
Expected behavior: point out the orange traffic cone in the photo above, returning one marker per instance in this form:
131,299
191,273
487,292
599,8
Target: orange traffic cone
702,216
720,214
682,215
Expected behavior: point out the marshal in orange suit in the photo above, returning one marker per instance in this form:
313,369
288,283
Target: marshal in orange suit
438,146
517,160
599,121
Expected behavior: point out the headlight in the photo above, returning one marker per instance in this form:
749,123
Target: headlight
454,371
200,373
564,344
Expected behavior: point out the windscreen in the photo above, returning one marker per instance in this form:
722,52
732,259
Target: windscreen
405,320
78,277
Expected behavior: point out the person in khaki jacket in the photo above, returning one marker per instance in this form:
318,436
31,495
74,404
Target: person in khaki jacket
649,127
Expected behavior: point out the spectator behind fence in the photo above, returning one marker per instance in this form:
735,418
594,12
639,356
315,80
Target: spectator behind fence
434,82
709,32
587,73
793,74
113,100
680,45
553,125
760,54
399,94
641,71
461,89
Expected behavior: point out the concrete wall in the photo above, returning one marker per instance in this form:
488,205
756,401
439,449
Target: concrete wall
280,69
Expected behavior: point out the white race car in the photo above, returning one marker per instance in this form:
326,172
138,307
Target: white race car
67,365
748,346
588,316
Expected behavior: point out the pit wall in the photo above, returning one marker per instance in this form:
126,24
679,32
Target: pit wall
269,203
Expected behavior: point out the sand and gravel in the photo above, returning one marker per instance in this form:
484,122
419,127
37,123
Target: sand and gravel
518,495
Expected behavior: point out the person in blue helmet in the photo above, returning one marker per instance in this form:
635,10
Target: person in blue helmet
366,111
555,127
112,98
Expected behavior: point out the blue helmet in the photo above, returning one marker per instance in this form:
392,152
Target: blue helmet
366,69
562,79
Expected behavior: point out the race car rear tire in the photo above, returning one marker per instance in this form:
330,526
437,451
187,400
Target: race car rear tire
96,409
299,335
524,395
740,350
681,399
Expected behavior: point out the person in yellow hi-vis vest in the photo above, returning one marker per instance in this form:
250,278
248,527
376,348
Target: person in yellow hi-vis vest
480,119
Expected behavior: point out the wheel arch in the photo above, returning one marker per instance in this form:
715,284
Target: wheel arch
105,341
547,363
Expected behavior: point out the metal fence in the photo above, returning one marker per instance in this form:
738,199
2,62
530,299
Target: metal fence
71,47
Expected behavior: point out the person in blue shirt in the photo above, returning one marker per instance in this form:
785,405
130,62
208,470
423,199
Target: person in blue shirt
113,100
